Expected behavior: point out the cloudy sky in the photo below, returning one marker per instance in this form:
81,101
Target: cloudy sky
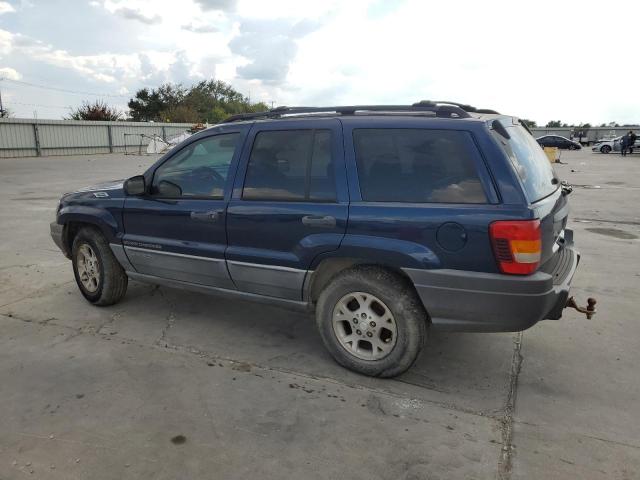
543,60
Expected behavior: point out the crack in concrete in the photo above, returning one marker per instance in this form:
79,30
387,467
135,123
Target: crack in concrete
36,293
171,318
505,462
112,319
580,434
601,220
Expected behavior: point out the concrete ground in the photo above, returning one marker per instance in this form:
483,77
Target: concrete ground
169,384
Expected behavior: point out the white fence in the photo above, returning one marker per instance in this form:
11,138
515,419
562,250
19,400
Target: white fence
28,137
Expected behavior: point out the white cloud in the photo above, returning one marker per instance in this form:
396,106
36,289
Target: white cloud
496,54
9,73
199,28
135,14
6,8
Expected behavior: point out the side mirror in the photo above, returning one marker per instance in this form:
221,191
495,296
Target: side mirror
135,185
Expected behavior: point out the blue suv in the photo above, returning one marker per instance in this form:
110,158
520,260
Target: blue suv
385,220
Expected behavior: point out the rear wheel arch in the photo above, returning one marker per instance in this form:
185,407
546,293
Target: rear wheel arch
330,268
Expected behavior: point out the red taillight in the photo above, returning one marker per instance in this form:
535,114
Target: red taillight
517,245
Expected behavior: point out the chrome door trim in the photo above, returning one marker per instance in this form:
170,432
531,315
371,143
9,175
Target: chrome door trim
183,255
194,269
270,280
266,266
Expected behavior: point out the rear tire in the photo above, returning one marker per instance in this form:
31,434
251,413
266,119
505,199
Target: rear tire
100,278
372,321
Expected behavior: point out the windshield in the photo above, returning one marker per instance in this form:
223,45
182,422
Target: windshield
531,163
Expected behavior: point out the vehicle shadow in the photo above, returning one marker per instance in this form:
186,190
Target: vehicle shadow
464,371
470,371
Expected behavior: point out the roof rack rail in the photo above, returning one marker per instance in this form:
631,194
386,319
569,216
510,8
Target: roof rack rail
441,109
465,107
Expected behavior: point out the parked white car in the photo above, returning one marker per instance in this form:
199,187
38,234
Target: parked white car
607,146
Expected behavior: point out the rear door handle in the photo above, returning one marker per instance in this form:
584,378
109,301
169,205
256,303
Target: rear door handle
210,216
319,221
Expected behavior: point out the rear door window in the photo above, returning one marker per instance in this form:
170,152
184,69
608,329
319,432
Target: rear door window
531,164
417,166
291,165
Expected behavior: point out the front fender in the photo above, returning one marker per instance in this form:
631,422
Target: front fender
100,217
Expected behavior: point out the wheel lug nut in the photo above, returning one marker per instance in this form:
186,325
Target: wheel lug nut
355,320
373,324
358,332
369,334
364,315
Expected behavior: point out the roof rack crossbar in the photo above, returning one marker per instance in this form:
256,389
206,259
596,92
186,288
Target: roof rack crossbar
441,109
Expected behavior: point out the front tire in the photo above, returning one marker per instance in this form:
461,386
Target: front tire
99,276
605,149
372,321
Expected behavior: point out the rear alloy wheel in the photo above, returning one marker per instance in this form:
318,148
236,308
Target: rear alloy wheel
372,321
605,149
364,326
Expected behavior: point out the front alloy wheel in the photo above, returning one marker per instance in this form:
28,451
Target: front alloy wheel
88,267
100,278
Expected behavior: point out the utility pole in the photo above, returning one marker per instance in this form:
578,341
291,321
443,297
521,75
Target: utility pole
1,107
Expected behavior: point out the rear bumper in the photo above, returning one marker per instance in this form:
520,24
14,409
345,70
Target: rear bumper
486,302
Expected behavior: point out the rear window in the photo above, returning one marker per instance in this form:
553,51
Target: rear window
531,164
417,166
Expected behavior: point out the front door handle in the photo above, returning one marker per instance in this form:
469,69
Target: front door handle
210,216
319,221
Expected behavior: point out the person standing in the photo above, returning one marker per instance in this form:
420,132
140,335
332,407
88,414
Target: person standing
632,140
624,144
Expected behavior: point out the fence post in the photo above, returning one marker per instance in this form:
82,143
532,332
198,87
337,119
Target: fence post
164,133
110,138
36,136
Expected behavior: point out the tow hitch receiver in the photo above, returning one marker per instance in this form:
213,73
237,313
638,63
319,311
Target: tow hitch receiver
590,309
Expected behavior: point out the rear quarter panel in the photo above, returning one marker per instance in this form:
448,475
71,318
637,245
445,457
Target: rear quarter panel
409,235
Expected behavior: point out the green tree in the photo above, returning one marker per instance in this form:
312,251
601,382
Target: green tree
148,104
529,123
206,101
180,114
97,111
554,124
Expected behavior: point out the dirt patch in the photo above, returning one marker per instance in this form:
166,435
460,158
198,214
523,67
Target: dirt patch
613,232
